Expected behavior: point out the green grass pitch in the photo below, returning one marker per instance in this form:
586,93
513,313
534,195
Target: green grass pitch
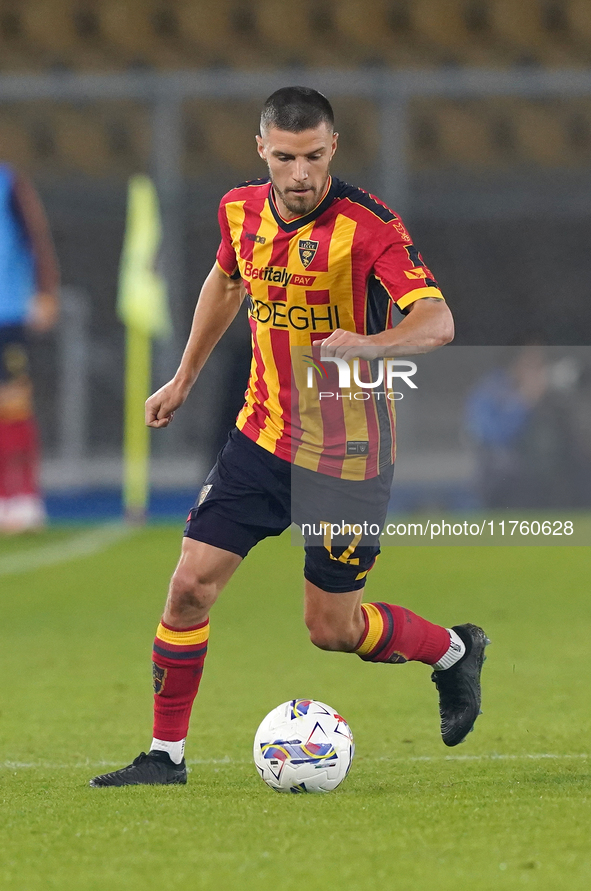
510,808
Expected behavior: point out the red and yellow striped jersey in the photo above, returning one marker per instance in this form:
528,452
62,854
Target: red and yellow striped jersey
344,265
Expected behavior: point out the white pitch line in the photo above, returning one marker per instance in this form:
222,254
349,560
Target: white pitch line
92,541
92,765
98,765
534,756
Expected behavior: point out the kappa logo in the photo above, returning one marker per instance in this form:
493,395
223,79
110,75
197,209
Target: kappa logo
307,251
260,239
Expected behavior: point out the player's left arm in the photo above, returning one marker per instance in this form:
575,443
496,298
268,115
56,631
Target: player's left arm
427,326
45,306
401,271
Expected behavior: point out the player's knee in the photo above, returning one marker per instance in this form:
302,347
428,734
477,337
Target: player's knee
191,589
327,636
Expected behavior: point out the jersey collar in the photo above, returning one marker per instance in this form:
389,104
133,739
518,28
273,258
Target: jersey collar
299,222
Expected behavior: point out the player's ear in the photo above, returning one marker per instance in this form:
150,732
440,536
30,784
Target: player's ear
335,139
260,147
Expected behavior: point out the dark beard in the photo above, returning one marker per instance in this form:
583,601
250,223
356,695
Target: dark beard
302,206
299,206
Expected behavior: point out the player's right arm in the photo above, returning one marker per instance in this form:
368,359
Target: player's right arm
218,304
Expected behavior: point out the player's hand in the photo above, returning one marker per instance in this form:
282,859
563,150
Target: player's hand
44,312
349,345
161,406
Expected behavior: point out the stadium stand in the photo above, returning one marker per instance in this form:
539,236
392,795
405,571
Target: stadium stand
577,22
540,135
15,141
456,31
215,135
500,132
106,35
38,35
378,33
450,134
164,34
303,37
534,33
113,139
102,140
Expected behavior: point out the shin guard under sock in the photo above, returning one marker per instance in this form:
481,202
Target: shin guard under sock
395,634
178,658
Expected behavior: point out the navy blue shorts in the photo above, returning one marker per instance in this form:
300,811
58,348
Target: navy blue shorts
14,361
251,494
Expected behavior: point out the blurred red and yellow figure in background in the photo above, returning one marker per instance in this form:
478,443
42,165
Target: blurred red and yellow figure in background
29,282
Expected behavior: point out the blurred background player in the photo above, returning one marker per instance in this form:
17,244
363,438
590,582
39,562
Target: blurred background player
524,420
29,279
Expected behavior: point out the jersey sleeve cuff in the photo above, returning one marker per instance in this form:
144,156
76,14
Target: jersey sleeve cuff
418,294
234,274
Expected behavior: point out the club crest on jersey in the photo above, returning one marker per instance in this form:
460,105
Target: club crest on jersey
307,251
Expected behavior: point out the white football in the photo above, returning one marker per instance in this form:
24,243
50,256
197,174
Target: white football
303,746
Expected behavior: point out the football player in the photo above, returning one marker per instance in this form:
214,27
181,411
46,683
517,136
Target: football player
324,266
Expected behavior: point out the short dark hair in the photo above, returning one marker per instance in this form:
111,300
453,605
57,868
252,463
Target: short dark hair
296,109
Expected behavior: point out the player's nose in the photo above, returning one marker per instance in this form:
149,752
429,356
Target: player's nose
300,172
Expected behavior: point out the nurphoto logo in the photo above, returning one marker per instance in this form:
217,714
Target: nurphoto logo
386,372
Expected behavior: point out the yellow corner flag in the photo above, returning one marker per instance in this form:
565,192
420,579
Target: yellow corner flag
142,306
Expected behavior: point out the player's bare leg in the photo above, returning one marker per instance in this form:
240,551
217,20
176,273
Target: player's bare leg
381,632
335,621
201,573
179,652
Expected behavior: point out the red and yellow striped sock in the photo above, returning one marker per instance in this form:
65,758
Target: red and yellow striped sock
395,634
178,658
